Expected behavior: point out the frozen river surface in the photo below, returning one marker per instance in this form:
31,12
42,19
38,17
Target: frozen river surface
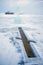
12,51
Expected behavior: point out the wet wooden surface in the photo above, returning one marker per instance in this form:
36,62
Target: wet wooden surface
26,44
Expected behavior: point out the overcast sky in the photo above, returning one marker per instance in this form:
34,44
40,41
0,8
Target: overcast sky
22,6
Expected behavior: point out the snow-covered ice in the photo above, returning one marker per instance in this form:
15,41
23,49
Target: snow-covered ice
12,51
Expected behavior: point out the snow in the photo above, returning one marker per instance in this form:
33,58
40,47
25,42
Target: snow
7,52
12,51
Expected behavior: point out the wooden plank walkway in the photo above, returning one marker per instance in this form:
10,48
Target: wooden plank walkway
26,44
